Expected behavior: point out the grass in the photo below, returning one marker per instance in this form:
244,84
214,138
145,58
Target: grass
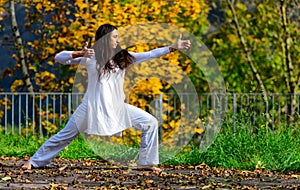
272,150
275,151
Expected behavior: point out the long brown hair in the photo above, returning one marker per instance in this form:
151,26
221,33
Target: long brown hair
108,58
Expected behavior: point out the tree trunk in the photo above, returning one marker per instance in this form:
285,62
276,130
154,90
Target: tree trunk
19,47
248,57
287,60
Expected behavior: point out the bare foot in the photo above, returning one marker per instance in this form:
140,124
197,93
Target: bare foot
150,168
27,166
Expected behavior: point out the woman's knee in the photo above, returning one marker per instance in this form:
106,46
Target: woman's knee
153,122
147,123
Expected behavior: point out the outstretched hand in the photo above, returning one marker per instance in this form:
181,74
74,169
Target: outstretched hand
87,52
182,44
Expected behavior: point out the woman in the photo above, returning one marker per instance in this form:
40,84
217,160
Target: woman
103,111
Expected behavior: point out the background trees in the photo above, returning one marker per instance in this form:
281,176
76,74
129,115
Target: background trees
268,38
257,47
60,25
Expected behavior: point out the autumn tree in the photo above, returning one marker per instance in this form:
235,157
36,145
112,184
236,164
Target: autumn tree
257,47
64,25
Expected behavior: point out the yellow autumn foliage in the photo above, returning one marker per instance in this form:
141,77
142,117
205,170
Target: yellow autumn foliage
74,23
16,84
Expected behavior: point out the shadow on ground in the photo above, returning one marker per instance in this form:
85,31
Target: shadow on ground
92,174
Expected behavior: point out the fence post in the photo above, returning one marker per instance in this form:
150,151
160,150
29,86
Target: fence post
158,113
273,112
33,113
26,115
5,113
40,117
47,114
234,115
19,118
69,105
53,105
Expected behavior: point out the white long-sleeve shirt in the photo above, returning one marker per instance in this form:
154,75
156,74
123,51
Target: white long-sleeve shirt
106,110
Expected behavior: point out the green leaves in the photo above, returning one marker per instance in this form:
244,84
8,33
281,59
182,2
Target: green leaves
264,34
6,178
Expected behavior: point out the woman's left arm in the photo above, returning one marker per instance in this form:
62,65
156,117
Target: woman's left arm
145,56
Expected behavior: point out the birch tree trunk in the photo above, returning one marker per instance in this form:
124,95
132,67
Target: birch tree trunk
19,46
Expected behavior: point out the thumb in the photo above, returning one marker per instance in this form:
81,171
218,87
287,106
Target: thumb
86,44
180,37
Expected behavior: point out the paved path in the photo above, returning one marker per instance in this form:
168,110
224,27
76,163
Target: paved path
81,174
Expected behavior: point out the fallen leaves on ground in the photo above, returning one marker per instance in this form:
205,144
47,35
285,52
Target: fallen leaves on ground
93,174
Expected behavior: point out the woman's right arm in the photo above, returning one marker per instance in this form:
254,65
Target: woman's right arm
74,57
70,57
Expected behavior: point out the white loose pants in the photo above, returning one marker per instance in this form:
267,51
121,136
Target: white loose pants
141,120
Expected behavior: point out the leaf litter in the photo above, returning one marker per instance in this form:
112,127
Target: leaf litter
95,174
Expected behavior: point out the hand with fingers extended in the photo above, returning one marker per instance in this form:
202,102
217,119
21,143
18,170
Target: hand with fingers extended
87,52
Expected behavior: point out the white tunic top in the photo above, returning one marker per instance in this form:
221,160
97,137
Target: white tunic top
106,110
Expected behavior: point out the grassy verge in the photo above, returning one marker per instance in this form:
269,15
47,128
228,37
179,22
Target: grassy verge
19,146
277,151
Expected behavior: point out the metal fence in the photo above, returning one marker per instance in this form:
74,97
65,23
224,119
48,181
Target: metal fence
25,113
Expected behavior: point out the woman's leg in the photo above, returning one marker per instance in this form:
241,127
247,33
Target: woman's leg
54,145
49,150
141,120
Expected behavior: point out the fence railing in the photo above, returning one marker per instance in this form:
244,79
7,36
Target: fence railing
41,113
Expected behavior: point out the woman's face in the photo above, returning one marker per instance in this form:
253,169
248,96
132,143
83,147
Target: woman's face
114,39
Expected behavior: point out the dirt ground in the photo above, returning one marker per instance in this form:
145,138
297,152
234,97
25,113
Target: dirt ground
84,174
